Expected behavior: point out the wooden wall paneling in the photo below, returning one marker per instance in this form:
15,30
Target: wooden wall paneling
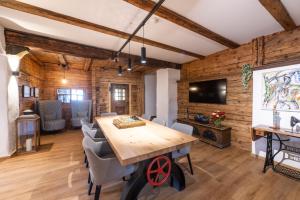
226,64
31,74
274,50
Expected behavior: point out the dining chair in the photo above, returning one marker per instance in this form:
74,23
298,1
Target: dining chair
159,121
104,166
94,134
147,117
187,129
108,114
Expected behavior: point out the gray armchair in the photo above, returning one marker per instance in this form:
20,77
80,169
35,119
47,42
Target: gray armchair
80,110
103,165
187,129
51,115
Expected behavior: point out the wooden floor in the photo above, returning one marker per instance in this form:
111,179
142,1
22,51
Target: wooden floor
57,173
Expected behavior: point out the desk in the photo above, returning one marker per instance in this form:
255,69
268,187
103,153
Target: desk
146,146
263,130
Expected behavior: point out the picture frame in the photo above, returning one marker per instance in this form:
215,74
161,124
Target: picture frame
36,92
25,91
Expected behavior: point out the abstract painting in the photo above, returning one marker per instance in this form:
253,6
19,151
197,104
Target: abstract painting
281,90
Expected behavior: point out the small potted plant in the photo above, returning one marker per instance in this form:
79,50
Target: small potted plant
217,117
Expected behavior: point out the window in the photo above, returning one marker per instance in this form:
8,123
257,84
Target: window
66,95
119,94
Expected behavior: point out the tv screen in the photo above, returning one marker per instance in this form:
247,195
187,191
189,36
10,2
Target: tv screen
213,91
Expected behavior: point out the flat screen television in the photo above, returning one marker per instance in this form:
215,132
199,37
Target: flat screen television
212,91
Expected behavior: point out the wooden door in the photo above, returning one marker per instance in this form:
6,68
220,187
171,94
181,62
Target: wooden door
120,98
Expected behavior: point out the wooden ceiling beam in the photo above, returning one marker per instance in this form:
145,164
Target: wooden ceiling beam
182,21
87,65
279,12
13,37
27,8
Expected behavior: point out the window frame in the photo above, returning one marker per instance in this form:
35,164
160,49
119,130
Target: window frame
70,94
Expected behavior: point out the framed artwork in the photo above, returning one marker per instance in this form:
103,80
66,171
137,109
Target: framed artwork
25,91
281,89
36,92
32,92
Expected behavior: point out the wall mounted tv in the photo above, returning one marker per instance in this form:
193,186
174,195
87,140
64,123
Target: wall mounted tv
212,91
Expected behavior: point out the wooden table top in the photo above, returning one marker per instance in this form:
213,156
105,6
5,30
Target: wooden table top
287,132
132,145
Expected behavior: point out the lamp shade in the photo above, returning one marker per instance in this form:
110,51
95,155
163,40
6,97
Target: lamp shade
129,64
120,71
14,62
143,55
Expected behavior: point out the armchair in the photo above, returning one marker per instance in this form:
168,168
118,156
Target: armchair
80,110
51,115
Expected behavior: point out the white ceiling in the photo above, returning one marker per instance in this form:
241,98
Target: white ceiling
238,20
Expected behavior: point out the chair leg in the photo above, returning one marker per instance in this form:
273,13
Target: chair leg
190,163
90,187
89,178
97,193
85,159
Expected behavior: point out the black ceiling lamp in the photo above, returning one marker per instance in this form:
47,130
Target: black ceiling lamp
143,50
120,71
129,60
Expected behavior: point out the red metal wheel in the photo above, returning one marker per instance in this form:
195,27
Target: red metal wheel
159,170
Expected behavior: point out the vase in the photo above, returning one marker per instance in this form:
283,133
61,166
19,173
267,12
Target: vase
217,123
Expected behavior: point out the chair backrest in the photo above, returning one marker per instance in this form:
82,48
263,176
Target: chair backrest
80,108
108,114
102,167
87,131
159,121
147,117
184,128
50,107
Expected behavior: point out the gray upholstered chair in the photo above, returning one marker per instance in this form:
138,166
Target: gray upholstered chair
80,110
187,129
159,121
147,117
108,114
51,115
103,165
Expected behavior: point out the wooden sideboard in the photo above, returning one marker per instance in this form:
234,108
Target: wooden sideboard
208,133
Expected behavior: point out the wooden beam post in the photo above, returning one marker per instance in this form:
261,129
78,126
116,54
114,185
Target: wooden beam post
182,21
279,12
70,48
34,10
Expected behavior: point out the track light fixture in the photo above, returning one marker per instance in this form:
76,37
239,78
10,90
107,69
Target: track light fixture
143,50
129,60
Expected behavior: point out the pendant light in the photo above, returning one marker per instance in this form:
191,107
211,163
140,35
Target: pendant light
64,80
129,60
143,49
120,71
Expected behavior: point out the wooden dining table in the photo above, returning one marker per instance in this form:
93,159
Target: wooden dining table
149,147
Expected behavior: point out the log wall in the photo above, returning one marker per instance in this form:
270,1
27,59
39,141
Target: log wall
102,77
278,49
31,74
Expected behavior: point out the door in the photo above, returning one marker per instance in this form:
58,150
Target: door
120,98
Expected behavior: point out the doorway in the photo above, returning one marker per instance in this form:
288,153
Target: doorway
120,98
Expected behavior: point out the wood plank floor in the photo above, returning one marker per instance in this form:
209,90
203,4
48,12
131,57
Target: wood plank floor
57,173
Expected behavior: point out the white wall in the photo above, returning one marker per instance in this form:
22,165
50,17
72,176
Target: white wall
166,96
150,94
9,101
260,116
